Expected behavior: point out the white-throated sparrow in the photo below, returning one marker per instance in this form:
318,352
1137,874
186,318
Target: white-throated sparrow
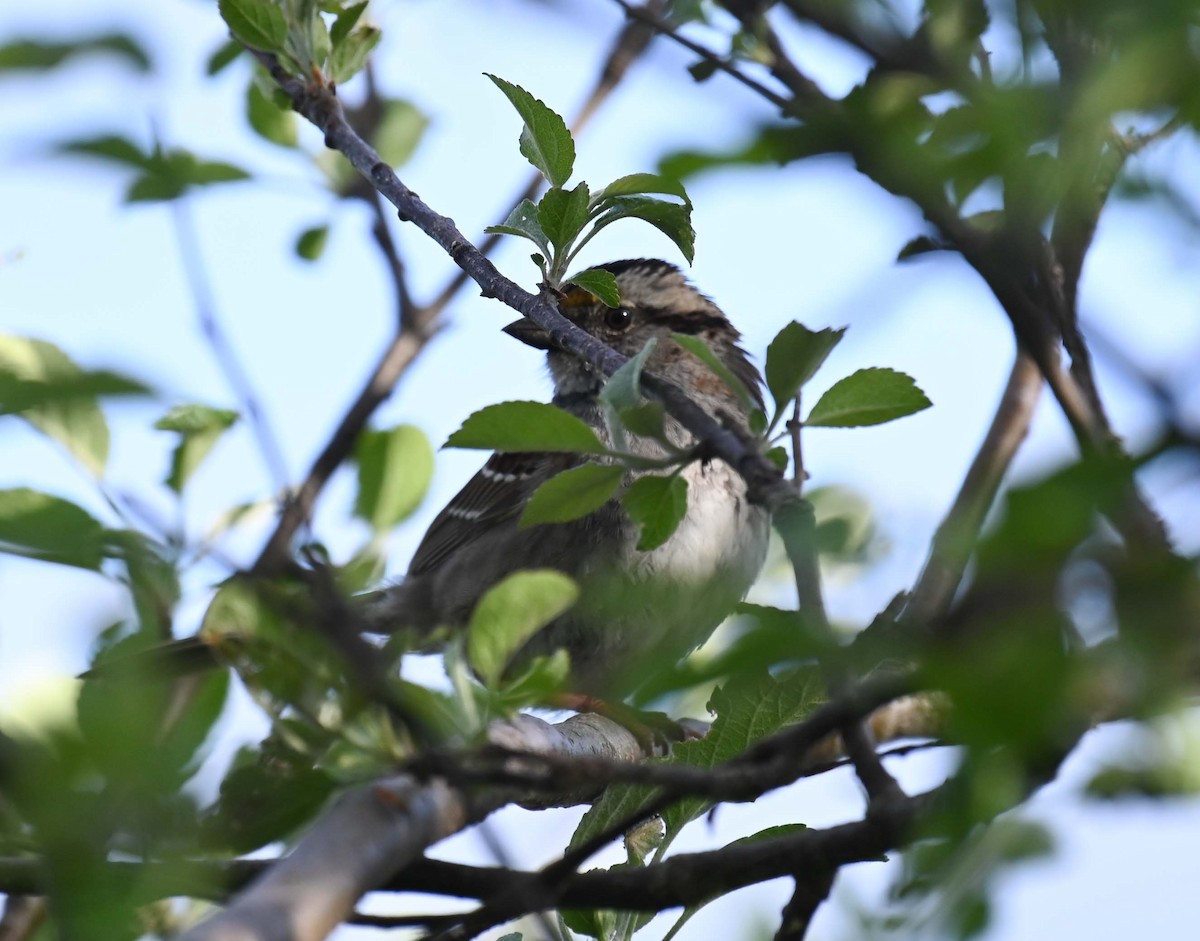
637,610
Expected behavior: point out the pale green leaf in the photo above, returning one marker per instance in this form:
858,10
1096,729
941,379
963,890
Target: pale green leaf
867,397
257,23
510,613
526,426
656,504
572,494
599,282
41,526
395,468
199,428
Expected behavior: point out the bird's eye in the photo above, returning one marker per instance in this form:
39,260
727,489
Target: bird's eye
617,318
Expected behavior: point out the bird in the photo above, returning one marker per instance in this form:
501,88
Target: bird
637,611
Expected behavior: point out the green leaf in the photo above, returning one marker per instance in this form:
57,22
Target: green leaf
545,140
41,56
268,120
672,219
641,183
401,127
523,222
39,382
199,428
223,56
562,214
40,526
394,471
345,22
867,397
599,282
350,55
119,150
258,23
151,576
698,348
544,676
311,242
623,389
793,357
170,174
526,426
510,613
656,504
572,494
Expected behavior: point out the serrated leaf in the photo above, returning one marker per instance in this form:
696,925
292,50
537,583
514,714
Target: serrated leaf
523,221
39,382
310,243
258,23
867,397
510,613
268,120
545,140
41,526
526,426
793,357
35,55
642,183
199,428
572,494
350,55
623,389
394,471
672,219
562,214
656,504
401,127
698,348
599,282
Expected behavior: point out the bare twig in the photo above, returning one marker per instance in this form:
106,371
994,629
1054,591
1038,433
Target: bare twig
809,890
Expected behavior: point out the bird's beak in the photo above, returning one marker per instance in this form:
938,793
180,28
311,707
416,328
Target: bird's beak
529,333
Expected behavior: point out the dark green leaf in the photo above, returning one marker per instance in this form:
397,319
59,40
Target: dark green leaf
562,214
346,21
523,221
41,383
268,120
151,576
168,176
394,471
641,183
545,140
109,147
526,426
199,428
703,70
401,127
672,219
350,56
258,23
698,348
573,493
225,54
794,356
510,613
656,504
774,144
599,282
311,242
31,54
867,397
49,528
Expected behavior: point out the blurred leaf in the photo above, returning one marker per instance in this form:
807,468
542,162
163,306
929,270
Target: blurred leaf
642,183
510,613
310,244
41,383
350,55
49,528
562,214
867,397
151,576
32,54
268,120
599,282
793,357
698,348
623,389
545,140
258,23
171,174
401,127
773,144
223,56
572,494
394,470
672,219
543,677
526,426
523,222
199,428
346,20
119,150
657,504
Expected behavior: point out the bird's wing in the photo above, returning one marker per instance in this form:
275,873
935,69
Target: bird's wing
498,492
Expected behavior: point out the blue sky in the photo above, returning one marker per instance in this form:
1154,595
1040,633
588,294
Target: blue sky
812,242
